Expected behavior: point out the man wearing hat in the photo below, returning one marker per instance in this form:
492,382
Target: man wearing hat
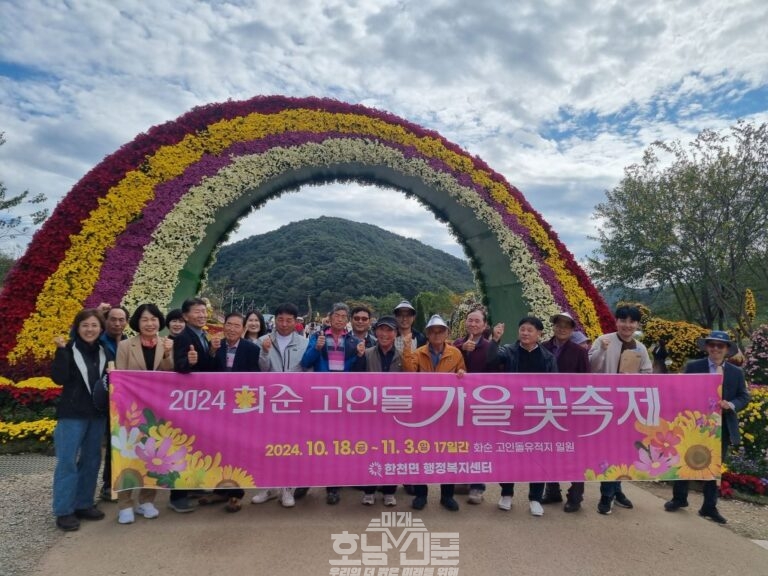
436,356
718,346
572,359
405,314
381,357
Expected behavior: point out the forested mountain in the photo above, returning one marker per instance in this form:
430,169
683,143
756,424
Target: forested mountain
330,260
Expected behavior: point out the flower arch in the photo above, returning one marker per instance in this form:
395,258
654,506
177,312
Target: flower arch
142,225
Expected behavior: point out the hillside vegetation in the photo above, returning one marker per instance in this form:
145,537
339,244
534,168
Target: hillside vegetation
332,259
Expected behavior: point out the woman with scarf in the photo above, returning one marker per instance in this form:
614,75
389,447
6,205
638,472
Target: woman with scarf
77,367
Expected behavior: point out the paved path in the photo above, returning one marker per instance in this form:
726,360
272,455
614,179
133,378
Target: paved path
267,539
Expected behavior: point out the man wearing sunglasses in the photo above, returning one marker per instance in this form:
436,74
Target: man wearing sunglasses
718,346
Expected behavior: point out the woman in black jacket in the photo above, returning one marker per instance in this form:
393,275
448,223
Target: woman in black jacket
77,367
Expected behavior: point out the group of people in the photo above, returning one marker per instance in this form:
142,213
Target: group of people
349,341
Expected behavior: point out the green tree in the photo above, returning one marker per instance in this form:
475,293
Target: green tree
692,220
14,219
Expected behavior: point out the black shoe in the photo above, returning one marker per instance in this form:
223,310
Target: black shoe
554,498
419,503
91,513
332,498
674,505
68,523
713,514
299,493
449,504
605,506
623,501
572,506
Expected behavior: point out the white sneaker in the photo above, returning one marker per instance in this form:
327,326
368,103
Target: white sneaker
147,510
263,496
390,500
505,503
286,498
369,499
536,508
475,496
125,516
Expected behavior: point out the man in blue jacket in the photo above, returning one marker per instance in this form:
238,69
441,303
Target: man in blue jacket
333,349
718,345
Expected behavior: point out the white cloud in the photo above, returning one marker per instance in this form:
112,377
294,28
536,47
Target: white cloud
556,96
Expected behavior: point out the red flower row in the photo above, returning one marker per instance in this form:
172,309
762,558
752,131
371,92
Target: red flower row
28,396
742,483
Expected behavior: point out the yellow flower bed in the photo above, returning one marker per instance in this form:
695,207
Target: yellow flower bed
42,430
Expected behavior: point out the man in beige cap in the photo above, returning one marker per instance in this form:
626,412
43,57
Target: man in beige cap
436,356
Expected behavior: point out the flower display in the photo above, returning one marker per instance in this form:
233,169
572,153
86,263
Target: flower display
756,363
138,227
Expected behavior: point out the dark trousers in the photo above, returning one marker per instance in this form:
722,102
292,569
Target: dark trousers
535,490
106,477
178,495
382,489
575,491
446,490
609,489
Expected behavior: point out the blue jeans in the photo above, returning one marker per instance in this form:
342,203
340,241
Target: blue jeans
78,457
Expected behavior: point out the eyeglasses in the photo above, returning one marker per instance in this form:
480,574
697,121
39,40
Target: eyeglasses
360,318
717,344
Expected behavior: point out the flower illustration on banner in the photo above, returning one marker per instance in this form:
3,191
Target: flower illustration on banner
148,451
160,457
654,461
126,441
697,457
682,448
245,398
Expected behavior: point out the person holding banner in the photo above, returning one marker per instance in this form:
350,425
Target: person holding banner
525,355
192,352
436,356
735,397
572,359
619,353
145,351
282,351
77,367
333,350
474,349
235,354
382,357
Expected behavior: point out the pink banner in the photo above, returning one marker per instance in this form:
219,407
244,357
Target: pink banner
350,429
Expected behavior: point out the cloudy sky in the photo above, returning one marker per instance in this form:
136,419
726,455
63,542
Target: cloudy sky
558,96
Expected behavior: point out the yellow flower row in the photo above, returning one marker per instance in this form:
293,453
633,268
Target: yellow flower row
68,287
42,430
38,382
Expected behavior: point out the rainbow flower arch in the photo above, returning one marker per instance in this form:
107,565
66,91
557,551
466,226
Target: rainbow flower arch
143,224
